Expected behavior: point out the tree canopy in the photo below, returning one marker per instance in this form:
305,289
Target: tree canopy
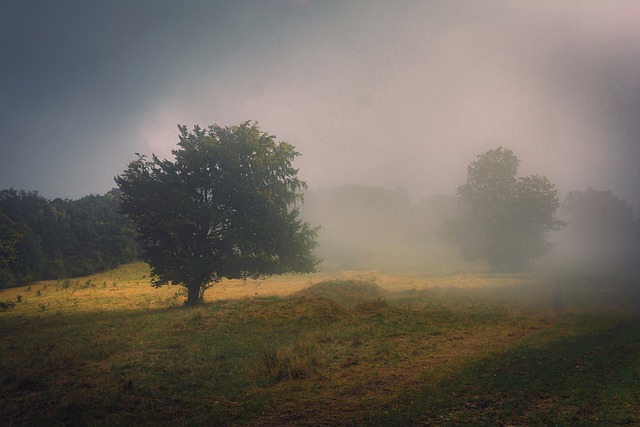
505,219
225,207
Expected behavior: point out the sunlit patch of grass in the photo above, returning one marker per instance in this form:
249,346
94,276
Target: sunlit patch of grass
127,287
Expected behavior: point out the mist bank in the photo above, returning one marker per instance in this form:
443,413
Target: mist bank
375,228
601,236
371,228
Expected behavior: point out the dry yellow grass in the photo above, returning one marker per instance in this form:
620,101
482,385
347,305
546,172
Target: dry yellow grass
129,287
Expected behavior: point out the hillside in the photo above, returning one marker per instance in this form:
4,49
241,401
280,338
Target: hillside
348,349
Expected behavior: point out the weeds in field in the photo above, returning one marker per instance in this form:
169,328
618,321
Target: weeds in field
295,362
7,305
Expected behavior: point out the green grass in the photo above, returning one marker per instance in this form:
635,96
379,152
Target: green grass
591,377
352,349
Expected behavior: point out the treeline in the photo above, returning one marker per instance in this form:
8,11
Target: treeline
362,228
53,239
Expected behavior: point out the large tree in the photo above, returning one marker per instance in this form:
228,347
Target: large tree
505,219
225,207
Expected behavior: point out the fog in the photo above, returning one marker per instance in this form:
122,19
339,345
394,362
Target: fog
370,92
394,95
366,228
376,229
406,96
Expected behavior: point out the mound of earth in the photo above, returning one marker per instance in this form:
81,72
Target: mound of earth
345,292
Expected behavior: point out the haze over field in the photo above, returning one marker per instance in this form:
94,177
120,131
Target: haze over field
392,94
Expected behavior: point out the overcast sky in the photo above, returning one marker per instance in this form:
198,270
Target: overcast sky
388,93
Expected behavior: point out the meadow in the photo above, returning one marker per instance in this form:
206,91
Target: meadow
351,348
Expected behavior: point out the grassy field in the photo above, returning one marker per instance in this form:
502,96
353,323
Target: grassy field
347,349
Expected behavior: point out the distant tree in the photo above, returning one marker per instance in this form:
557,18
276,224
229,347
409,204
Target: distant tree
9,237
505,219
225,208
21,257
104,238
602,230
38,223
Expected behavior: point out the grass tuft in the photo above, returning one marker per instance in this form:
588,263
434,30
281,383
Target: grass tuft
295,362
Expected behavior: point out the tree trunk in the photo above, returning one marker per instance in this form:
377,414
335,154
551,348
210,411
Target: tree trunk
193,295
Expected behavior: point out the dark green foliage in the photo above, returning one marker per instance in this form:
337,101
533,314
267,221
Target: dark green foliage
226,207
21,256
505,219
105,237
42,239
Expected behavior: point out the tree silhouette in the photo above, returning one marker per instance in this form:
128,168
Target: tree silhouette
505,219
224,208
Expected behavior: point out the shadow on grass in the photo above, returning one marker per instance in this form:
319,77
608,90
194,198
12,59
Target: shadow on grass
588,379
153,366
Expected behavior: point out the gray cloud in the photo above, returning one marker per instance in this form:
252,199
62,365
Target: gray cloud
386,93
